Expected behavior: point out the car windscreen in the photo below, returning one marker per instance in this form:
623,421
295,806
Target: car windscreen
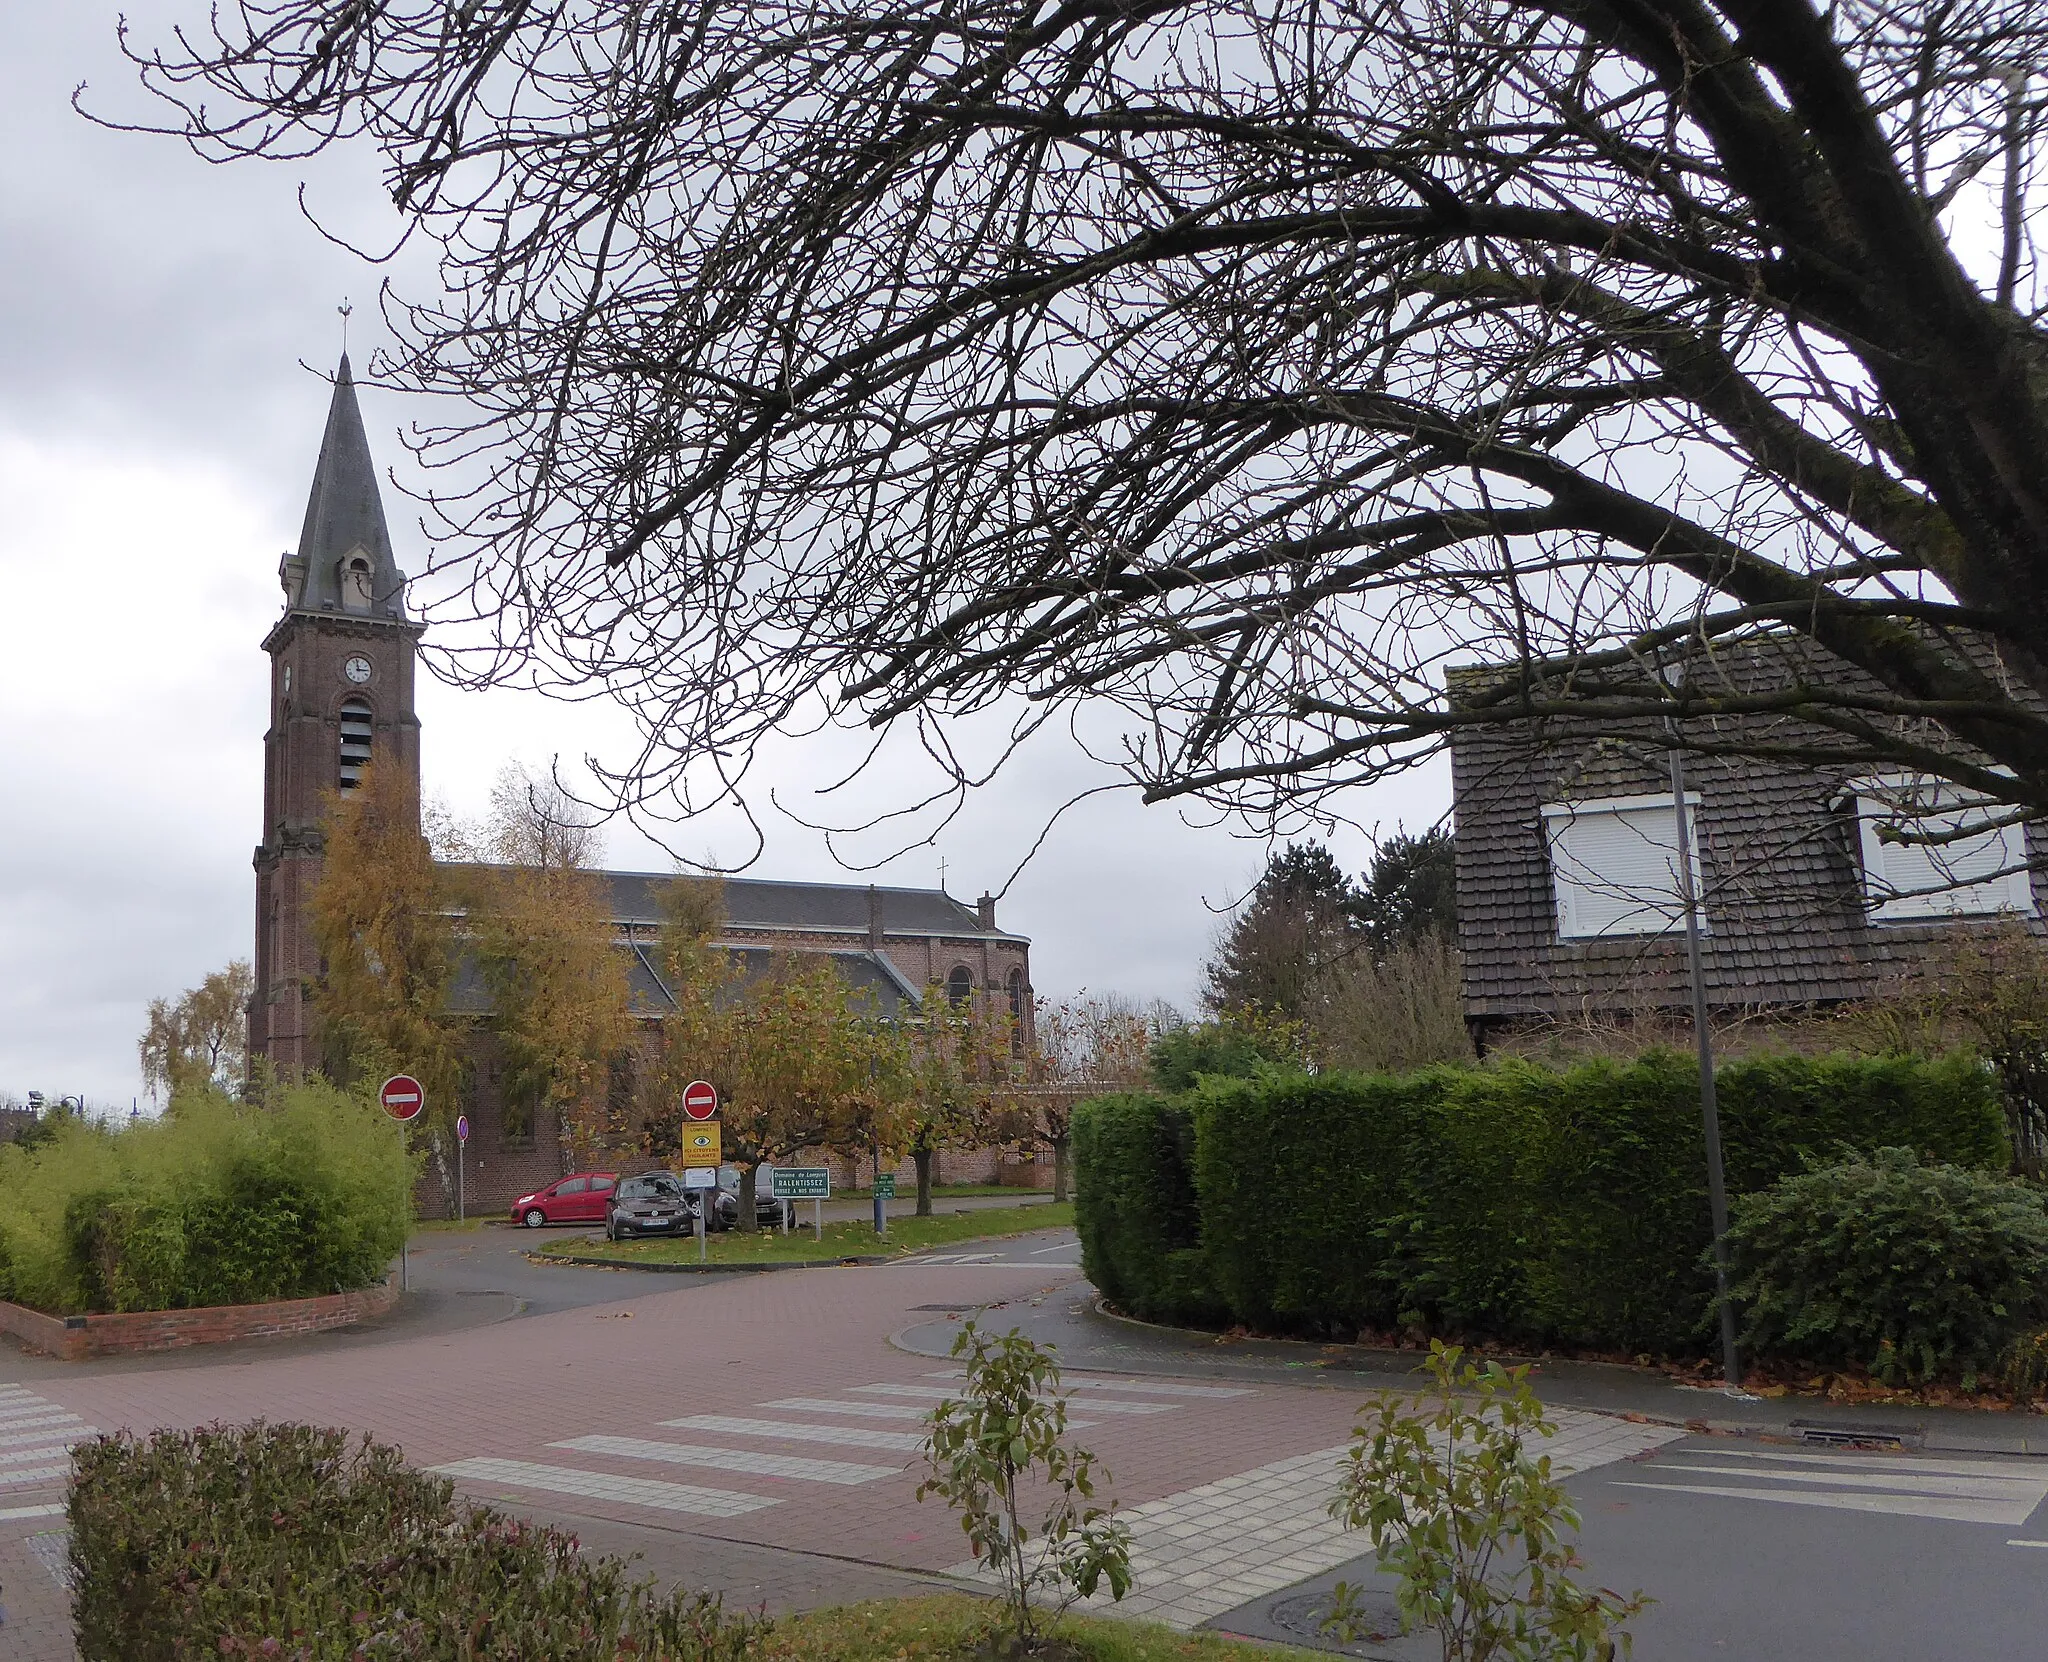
649,1188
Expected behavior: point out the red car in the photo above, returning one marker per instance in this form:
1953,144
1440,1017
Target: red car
581,1197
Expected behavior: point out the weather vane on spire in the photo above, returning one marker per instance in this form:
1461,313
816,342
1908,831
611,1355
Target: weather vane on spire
344,308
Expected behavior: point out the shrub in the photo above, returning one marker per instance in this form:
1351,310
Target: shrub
1915,1271
1140,1241
1473,1522
283,1540
1513,1201
1005,1431
219,1202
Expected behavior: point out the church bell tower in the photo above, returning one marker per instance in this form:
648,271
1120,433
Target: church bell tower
341,693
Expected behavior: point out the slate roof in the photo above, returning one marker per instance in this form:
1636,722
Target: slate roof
888,991
344,512
763,903
1778,871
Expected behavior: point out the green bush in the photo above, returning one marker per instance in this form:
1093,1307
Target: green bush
1512,1201
217,1203
283,1540
1134,1204
1915,1271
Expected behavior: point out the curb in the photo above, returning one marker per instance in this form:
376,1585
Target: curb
705,1269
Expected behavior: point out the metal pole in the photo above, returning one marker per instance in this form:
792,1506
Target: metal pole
1710,1109
461,1201
881,1214
404,1246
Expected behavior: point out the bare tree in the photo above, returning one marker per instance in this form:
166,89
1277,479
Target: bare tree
1240,367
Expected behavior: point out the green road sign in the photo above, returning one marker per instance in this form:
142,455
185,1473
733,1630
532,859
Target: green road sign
800,1183
885,1185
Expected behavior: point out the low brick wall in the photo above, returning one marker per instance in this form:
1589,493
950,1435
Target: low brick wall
74,1338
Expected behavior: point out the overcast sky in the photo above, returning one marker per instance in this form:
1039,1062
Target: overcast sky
158,424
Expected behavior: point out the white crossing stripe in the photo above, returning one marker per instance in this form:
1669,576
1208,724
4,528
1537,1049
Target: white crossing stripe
2025,1471
2027,1543
1138,1387
38,1474
62,1433
52,1510
731,1459
22,1456
627,1491
1953,1491
936,1394
866,1410
47,1413
847,1436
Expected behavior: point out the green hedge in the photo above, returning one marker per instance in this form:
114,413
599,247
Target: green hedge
1515,1201
284,1541
218,1202
1134,1203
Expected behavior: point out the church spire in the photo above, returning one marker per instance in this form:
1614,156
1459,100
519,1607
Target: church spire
344,562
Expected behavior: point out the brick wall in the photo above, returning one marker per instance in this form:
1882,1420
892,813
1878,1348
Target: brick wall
74,1338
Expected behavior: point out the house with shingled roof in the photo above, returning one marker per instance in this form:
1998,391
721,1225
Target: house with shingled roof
1569,905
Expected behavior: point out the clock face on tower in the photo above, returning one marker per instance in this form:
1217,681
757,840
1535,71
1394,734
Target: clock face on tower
357,670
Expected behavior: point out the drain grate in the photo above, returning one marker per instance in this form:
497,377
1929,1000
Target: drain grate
947,1309
1849,1434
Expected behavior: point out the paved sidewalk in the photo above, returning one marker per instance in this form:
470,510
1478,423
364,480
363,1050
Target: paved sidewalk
1087,1339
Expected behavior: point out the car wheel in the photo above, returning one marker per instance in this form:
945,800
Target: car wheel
535,1217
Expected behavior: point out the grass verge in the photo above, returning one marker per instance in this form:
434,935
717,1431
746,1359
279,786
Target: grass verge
953,1626
842,1240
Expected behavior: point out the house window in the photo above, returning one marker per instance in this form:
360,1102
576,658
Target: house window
960,984
357,726
1015,983
1614,865
1974,872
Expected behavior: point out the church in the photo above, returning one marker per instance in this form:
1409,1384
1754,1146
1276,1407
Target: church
343,656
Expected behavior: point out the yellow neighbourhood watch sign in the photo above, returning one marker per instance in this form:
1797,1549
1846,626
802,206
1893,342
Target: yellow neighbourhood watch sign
700,1143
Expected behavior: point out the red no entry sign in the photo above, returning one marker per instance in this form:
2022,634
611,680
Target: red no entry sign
402,1096
700,1099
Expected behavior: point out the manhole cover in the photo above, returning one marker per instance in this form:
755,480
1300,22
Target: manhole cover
1376,1626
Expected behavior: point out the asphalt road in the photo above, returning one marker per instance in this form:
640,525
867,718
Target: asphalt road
1761,1549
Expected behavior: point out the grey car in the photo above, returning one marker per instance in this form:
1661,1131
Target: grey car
653,1203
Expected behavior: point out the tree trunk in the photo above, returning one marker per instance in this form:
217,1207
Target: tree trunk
440,1154
922,1157
747,1223
1060,1145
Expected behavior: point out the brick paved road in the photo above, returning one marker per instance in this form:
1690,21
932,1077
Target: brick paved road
768,1410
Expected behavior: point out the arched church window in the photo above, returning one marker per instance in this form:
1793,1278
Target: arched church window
1016,988
357,727
960,985
355,582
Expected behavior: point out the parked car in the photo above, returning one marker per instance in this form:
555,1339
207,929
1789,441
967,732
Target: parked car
653,1203
767,1209
581,1197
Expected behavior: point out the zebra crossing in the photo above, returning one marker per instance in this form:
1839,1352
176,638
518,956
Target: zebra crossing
739,1446
36,1439
1952,1491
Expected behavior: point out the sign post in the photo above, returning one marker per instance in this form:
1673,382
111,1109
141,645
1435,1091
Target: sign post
702,1150
790,1184
461,1143
403,1099
704,1182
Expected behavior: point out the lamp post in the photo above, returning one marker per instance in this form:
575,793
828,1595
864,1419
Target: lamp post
1710,1108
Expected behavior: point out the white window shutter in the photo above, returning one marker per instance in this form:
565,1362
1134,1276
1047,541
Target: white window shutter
1972,876
1615,868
